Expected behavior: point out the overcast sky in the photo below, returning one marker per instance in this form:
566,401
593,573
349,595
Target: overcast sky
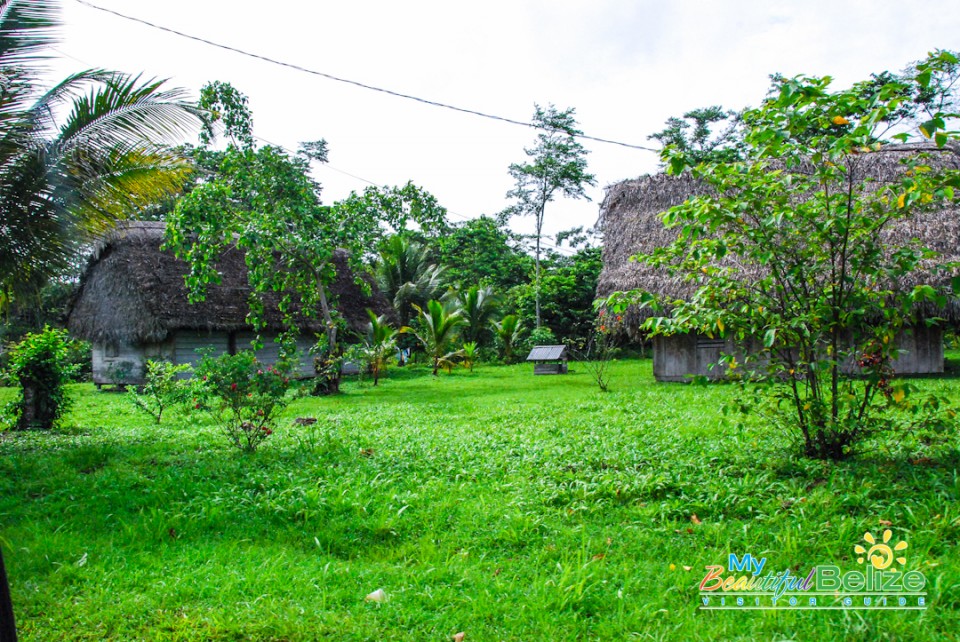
625,66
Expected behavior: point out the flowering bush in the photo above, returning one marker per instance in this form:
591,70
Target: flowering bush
243,395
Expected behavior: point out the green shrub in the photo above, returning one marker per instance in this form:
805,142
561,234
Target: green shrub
542,336
243,395
471,354
163,389
80,357
40,364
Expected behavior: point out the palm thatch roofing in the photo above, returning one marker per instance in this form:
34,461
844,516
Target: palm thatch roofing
631,224
133,292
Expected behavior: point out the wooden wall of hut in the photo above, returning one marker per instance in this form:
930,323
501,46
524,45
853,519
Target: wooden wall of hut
123,364
681,357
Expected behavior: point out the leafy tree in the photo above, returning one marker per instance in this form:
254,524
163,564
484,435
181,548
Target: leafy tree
398,204
478,306
76,157
509,331
938,86
557,164
407,276
808,222
437,330
695,137
264,201
484,253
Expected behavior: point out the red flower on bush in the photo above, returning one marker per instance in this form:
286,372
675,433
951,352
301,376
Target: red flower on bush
233,386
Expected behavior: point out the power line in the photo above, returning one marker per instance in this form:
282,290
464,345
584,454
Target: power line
556,248
355,83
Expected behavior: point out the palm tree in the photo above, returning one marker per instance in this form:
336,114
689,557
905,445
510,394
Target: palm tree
379,344
406,275
438,329
478,306
64,179
508,334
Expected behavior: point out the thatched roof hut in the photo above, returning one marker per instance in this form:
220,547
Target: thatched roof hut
631,224
132,294
630,220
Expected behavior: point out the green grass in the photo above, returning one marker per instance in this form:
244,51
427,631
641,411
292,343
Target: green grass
495,503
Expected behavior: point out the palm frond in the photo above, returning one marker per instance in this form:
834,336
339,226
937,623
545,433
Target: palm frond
26,29
123,112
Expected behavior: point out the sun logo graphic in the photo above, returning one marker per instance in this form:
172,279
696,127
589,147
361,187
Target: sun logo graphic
880,554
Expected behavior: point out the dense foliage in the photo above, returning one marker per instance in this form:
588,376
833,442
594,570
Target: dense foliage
481,252
568,288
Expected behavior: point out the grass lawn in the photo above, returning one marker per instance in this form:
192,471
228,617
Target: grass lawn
495,503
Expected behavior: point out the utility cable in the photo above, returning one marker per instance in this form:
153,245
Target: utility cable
347,81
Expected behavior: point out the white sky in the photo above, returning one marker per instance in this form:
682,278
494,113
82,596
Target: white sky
625,66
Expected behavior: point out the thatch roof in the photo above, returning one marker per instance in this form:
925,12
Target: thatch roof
132,292
631,224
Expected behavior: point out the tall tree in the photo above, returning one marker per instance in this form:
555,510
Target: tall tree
557,163
707,134
64,179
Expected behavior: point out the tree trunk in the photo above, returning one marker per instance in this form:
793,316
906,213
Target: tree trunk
328,381
8,629
536,287
37,411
